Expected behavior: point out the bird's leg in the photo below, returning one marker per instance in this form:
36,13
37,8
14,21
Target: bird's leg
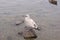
37,28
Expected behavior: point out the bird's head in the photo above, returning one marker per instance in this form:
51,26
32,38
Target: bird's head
27,15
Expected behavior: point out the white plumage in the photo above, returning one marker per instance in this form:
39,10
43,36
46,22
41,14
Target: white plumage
30,22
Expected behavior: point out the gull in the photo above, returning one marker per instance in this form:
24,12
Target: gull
29,22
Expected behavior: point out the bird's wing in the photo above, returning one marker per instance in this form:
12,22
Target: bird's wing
33,22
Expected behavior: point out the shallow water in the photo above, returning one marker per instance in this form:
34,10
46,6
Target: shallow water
46,15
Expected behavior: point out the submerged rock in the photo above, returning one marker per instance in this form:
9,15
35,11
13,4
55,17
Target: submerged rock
28,34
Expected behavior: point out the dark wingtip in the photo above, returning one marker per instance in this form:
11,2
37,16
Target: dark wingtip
37,29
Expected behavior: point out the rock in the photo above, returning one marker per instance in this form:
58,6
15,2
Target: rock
20,33
53,2
19,22
28,34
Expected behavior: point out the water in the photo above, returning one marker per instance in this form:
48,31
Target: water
46,15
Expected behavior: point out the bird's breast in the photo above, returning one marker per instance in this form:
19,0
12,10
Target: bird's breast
28,22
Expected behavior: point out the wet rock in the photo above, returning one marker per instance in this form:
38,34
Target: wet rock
53,2
28,34
19,22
